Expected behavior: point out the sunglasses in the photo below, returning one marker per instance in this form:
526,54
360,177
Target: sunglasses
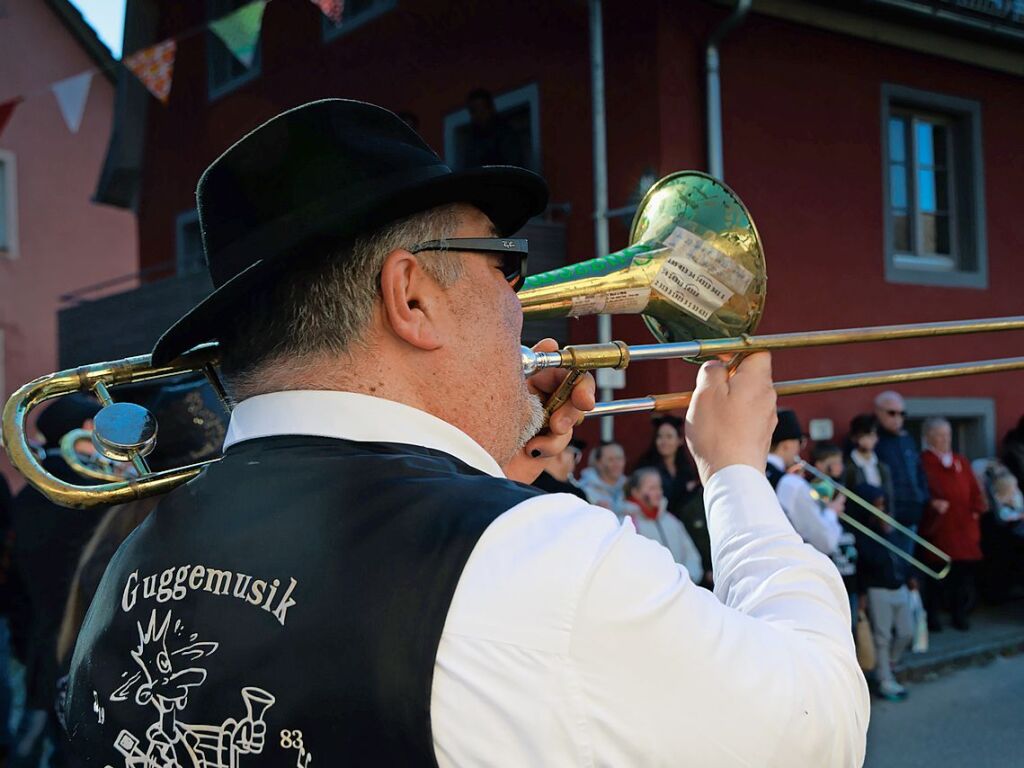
901,414
513,252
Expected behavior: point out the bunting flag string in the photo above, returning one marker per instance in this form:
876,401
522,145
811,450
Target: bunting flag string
72,94
332,9
240,31
6,110
154,66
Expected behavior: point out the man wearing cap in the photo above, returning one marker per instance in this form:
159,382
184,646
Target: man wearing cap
362,580
816,523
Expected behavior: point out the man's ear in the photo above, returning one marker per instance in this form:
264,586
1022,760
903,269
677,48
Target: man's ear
412,301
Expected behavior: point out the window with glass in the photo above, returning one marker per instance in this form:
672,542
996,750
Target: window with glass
8,207
3,206
933,193
224,72
510,137
355,14
921,188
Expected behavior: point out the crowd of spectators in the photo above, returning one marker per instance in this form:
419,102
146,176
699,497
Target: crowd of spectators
973,513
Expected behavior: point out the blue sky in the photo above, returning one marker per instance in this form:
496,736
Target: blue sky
107,18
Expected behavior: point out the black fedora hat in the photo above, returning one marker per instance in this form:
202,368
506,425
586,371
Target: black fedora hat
788,427
315,177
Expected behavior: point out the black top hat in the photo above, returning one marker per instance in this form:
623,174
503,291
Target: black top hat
319,175
788,427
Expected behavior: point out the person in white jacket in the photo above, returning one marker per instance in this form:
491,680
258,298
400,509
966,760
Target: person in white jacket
817,523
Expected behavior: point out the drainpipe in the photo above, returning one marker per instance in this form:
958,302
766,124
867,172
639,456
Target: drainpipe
600,162
716,166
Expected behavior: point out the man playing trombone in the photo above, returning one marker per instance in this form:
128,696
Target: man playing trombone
362,561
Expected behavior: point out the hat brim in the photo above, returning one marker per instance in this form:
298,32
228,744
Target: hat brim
509,196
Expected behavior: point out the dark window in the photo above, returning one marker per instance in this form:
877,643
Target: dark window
225,73
356,13
934,207
972,419
515,140
188,243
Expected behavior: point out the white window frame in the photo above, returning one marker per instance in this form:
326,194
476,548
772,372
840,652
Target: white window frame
215,46
329,31
10,251
528,94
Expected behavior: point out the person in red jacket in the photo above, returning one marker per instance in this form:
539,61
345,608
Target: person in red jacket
951,523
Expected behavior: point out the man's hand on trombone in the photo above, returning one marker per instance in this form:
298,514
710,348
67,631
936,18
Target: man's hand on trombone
731,417
526,465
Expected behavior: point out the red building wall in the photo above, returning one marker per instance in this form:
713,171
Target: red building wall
802,148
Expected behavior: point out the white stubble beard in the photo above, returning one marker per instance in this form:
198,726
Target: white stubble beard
534,420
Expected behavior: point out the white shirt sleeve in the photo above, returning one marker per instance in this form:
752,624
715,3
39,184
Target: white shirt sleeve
807,516
762,673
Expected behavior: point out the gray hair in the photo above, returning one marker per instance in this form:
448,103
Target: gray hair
932,422
323,305
884,397
637,477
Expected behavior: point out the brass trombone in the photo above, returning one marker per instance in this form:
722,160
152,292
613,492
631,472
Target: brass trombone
95,466
852,521
694,270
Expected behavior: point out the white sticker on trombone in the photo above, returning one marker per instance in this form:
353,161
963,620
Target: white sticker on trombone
716,263
624,301
685,284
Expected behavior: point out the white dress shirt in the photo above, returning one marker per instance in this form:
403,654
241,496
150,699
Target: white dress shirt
817,524
573,641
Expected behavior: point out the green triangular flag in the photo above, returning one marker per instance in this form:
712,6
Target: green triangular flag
240,30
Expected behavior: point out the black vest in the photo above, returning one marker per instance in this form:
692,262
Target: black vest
774,474
286,606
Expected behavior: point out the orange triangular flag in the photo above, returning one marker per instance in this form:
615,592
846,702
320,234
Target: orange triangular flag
154,66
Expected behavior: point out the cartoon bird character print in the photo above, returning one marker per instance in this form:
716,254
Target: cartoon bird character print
167,674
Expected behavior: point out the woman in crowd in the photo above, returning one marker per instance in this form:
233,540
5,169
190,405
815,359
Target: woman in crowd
951,523
1002,532
667,453
646,505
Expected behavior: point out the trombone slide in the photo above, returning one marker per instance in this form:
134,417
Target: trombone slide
888,519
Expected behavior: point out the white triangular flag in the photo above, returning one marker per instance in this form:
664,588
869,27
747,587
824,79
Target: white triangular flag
72,93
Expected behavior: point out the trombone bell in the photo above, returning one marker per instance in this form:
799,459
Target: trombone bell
694,268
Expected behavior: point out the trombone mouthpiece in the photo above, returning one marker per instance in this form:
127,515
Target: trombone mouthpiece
534,361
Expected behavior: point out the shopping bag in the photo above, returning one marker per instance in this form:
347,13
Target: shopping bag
865,642
919,619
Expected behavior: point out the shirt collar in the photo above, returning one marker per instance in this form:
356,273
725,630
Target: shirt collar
352,416
776,461
860,461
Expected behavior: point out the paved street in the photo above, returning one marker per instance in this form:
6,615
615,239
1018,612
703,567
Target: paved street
970,718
